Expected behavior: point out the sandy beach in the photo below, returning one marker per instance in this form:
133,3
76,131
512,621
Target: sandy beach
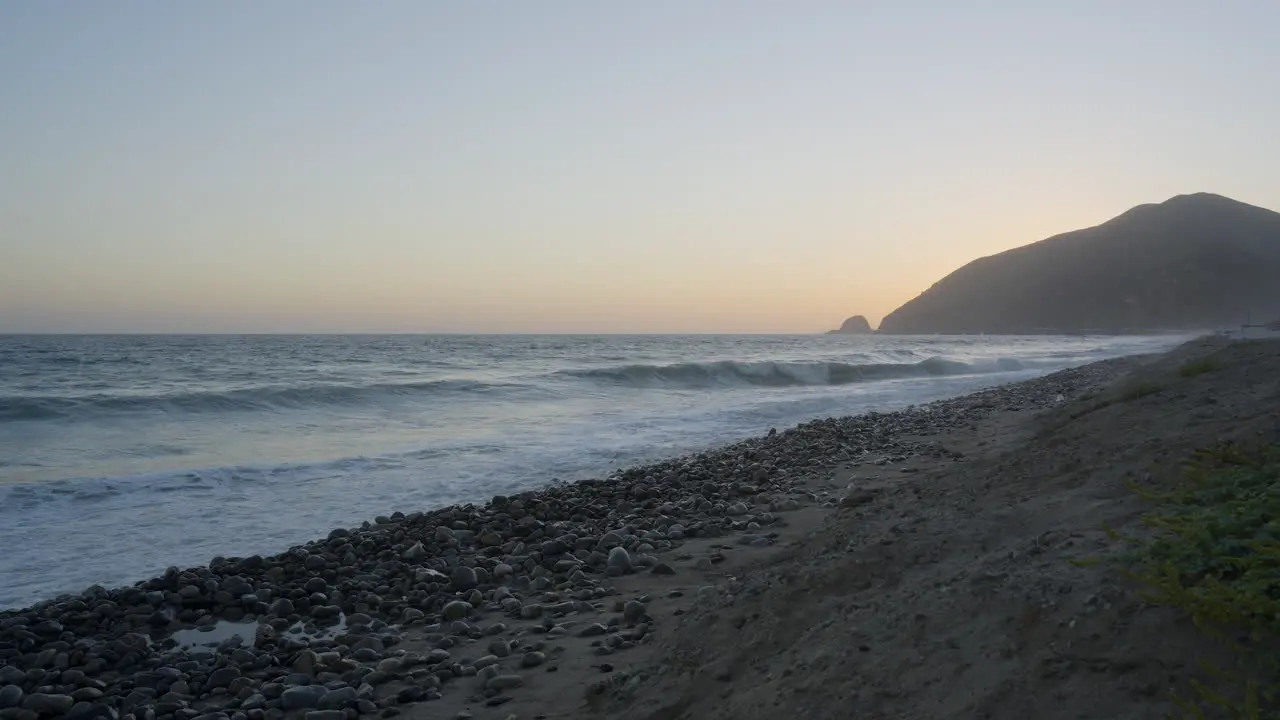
910,564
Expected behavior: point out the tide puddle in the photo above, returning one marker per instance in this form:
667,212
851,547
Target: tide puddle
207,639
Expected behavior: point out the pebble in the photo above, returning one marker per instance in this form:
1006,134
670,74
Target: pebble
464,578
47,704
302,697
306,662
504,682
338,699
10,696
634,611
281,608
662,569
533,659
456,610
410,694
619,560
86,694
222,677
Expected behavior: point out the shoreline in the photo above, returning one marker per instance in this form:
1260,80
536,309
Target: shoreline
626,474
70,530
463,606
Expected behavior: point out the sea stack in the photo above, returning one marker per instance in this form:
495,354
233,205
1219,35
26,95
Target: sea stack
856,325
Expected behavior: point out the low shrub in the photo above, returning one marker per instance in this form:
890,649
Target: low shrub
1215,555
1194,368
1139,389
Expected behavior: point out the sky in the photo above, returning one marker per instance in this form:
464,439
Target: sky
584,166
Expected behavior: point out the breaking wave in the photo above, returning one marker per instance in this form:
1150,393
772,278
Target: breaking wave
784,374
35,407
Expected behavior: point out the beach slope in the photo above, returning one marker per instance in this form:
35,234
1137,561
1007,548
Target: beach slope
913,564
959,591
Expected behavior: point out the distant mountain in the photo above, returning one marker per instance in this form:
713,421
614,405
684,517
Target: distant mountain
1193,262
856,325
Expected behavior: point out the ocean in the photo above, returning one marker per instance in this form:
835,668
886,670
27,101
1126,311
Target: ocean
122,455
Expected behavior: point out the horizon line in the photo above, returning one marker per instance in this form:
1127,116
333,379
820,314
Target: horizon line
376,334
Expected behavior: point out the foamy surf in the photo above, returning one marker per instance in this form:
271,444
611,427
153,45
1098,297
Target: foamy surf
729,373
179,449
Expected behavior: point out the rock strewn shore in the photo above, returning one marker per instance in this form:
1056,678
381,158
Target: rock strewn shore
468,603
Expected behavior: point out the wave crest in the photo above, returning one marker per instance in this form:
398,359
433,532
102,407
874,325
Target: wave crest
31,407
783,374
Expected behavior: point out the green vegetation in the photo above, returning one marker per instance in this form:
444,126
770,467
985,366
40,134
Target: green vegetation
1215,554
1136,389
1139,389
1193,368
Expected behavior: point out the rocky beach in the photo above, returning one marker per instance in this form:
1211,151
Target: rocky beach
575,600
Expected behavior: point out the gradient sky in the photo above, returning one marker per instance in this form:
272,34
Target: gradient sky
584,166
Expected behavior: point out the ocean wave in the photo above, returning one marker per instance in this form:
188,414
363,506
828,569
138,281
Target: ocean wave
15,408
22,497
785,374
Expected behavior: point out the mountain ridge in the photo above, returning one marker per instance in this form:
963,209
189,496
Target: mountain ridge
1193,262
